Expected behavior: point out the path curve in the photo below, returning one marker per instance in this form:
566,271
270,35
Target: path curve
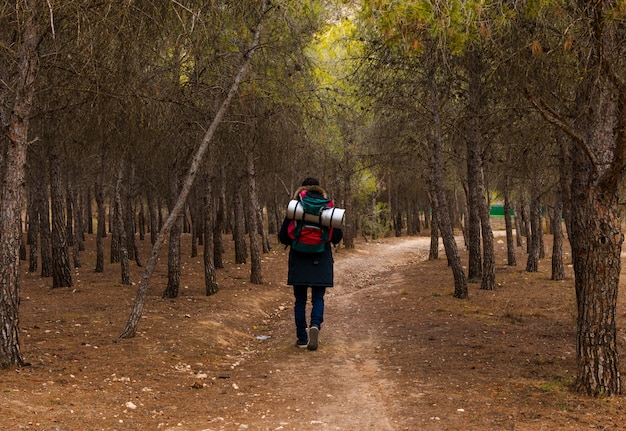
341,385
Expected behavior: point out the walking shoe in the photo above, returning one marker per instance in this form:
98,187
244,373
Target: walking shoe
313,335
301,344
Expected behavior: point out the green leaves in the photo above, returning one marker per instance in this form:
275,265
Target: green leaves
452,24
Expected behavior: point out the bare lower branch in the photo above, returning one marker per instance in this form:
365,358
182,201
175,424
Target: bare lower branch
553,117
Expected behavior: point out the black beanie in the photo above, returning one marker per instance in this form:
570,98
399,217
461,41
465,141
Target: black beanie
310,182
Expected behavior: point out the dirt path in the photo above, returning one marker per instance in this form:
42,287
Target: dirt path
397,351
340,386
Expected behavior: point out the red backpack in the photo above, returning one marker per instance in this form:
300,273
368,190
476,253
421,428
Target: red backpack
307,236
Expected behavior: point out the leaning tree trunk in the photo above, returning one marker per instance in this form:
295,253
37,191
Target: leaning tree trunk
61,270
133,320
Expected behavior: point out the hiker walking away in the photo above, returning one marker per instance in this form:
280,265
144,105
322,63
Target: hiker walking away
309,266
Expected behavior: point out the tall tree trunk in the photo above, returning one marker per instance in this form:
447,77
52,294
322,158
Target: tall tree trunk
510,246
475,180
43,208
121,232
142,220
596,236
33,231
558,269
88,216
210,276
173,250
474,265
61,270
488,281
13,190
349,228
130,227
195,226
78,227
433,251
527,224
101,223
153,212
115,232
69,215
519,230
239,228
133,320
443,214
256,271
218,225
173,260
532,264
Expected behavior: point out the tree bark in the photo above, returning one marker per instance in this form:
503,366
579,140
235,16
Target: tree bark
532,263
239,228
210,276
443,214
256,270
517,218
510,246
101,224
173,251
133,320
43,206
474,265
121,232
488,281
349,228
558,269
433,251
218,225
13,190
173,260
596,236
61,270
33,231
78,228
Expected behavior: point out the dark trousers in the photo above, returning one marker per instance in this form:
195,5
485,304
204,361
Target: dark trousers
299,309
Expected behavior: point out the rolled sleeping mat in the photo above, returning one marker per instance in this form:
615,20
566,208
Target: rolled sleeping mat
330,217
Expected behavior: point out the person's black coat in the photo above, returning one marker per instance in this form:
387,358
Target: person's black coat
307,269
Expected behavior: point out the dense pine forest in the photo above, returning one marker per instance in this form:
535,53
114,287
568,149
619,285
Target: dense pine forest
156,118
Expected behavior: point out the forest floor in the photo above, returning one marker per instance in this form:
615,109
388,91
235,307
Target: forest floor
397,350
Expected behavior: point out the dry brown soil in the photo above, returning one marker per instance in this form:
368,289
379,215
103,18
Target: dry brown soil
397,351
